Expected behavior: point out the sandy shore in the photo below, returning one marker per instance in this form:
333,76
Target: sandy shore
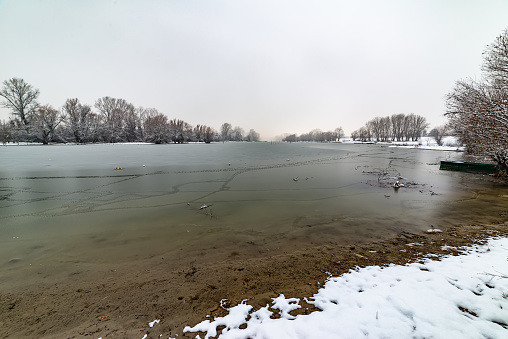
121,304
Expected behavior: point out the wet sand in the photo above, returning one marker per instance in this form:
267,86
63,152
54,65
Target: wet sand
121,301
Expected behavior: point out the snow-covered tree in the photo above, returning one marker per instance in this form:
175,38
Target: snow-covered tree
76,119
253,135
156,129
45,123
204,133
5,132
116,114
143,114
478,109
179,131
209,134
237,134
225,131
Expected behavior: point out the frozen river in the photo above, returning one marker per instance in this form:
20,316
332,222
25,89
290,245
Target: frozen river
68,205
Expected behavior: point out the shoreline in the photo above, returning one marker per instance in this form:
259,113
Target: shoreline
123,304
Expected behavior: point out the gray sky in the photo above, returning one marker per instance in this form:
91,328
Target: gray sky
274,66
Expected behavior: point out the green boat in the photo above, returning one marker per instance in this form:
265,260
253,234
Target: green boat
469,167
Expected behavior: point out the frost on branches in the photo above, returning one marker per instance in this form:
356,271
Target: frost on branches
478,109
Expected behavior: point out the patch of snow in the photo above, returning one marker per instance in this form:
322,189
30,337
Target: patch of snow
456,297
414,244
434,230
22,144
156,321
232,321
286,305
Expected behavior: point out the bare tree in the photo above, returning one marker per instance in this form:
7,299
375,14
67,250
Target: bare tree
397,121
364,134
385,129
406,128
20,98
338,133
355,135
374,126
438,133
417,124
380,128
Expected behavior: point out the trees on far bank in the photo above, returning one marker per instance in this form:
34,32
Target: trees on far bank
237,134
478,109
398,127
317,135
114,120
252,136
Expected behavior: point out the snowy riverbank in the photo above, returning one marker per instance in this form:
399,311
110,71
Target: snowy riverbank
456,297
449,143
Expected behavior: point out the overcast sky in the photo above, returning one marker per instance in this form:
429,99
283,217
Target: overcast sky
273,66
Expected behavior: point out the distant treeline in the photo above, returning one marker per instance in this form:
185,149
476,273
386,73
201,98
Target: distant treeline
114,120
398,127
316,135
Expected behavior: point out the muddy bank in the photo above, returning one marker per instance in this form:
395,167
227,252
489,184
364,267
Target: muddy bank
120,303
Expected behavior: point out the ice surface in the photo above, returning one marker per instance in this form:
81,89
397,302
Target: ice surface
457,297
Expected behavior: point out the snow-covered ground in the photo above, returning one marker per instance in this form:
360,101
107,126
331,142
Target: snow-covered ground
449,144
456,297
429,143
